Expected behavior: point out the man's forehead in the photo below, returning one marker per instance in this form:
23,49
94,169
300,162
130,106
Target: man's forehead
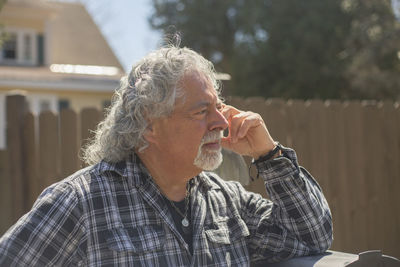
198,90
196,79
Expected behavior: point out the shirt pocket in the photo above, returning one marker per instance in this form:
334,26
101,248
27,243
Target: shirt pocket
227,231
141,239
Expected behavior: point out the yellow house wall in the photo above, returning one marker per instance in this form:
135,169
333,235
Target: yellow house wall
80,100
77,100
30,24
24,16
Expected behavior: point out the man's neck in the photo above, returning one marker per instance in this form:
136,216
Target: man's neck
171,177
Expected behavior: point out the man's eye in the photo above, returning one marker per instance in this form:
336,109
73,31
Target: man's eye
201,112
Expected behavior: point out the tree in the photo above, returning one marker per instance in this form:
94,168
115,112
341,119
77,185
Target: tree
290,48
374,49
3,34
300,58
195,21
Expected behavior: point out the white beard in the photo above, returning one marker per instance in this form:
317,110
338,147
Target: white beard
209,159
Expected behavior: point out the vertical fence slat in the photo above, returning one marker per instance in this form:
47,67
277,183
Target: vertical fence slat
337,157
390,177
6,218
298,131
396,185
275,118
382,178
373,178
316,126
69,141
30,156
48,149
16,109
90,117
357,207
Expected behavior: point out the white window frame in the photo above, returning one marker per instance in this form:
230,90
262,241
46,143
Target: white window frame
20,60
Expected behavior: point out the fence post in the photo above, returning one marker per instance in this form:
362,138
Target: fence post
90,117
16,109
6,218
298,130
30,159
69,135
49,152
390,135
357,206
336,177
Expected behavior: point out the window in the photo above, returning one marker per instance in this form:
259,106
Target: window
63,104
10,47
20,47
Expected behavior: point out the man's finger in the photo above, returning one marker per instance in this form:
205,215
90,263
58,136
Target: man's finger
250,121
229,111
241,123
234,126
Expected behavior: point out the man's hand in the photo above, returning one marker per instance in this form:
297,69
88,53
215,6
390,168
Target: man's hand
248,134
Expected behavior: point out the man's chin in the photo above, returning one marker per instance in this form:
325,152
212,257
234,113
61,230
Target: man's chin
209,161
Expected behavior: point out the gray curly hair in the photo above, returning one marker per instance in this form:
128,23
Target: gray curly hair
149,91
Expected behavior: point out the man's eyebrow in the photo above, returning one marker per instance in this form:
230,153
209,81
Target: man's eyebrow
205,104
200,105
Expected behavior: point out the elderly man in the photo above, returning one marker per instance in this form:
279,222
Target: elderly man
148,198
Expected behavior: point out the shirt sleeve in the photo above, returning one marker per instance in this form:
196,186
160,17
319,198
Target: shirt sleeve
296,221
51,234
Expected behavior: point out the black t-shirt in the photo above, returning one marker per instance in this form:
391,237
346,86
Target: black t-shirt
186,233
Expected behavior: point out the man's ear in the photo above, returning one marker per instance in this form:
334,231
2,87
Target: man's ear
150,133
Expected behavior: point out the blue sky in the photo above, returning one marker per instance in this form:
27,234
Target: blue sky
124,23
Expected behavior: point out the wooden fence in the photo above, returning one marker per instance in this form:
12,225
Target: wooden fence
351,148
41,150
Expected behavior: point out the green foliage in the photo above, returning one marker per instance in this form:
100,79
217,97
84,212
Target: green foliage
373,47
2,2
3,35
291,48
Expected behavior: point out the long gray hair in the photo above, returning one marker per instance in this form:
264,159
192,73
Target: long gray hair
149,91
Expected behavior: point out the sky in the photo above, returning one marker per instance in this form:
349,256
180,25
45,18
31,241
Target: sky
124,24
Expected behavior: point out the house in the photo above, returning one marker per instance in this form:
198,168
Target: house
56,54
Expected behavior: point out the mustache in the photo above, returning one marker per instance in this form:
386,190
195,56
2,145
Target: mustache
211,137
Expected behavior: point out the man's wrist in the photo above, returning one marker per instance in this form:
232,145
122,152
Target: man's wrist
271,154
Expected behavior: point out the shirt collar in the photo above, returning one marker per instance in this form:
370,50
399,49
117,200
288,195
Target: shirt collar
130,168
137,174
205,178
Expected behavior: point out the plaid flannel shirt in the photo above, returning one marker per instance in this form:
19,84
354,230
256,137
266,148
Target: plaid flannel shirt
115,215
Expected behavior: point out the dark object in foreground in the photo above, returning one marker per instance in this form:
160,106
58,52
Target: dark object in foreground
333,258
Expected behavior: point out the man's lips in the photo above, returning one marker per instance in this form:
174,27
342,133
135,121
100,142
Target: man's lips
212,145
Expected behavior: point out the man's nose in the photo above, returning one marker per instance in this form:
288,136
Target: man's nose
218,122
